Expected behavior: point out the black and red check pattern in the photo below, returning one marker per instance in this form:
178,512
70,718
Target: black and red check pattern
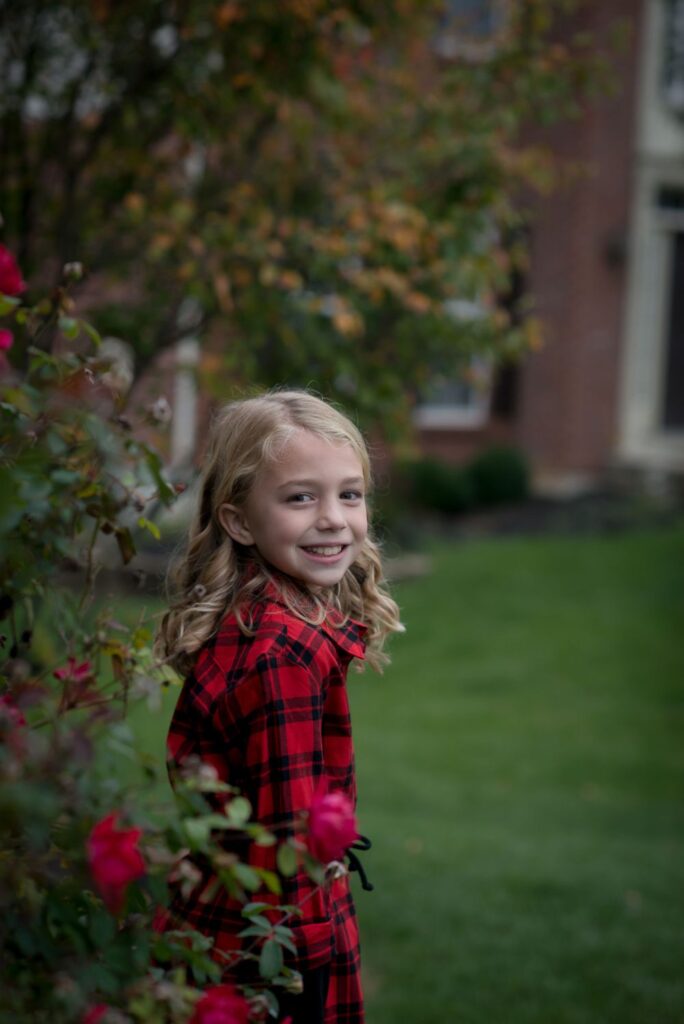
270,712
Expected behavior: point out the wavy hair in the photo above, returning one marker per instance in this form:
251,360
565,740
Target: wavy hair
216,575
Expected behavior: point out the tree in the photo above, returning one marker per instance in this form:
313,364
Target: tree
315,175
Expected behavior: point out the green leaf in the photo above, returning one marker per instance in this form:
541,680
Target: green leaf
260,835
261,922
270,959
92,333
286,860
238,811
285,937
255,931
270,880
151,527
217,821
315,870
247,876
250,909
69,327
197,830
7,303
125,542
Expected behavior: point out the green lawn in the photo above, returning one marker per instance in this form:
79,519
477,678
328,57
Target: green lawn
521,771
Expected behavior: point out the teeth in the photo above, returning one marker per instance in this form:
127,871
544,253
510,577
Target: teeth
326,551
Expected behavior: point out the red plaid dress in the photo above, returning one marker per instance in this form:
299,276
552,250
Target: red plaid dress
270,712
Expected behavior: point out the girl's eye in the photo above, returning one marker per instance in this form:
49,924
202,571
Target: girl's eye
352,496
300,499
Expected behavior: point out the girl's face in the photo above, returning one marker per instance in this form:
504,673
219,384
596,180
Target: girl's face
306,512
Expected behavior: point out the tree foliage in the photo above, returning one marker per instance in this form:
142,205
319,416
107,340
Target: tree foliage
316,175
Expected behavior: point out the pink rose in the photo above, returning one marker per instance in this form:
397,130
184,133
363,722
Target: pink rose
332,826
73,672
94,1014
6,339
10,711
115,860
11,281
221,1004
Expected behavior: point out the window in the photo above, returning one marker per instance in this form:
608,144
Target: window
457,403
670,211
673,397
453,402
469,28
673,67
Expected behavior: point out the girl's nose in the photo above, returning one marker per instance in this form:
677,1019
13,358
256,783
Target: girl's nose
331,516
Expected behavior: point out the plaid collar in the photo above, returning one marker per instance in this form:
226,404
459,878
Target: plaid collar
348,634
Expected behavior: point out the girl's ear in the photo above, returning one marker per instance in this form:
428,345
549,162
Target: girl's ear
232,520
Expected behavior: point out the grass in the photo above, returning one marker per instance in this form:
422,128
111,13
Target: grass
520,769
521,773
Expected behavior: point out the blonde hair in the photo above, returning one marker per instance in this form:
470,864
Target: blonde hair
216,575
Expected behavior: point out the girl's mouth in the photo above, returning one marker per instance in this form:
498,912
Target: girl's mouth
324,552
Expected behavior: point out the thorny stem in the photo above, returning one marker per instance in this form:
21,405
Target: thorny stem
90,567
80,707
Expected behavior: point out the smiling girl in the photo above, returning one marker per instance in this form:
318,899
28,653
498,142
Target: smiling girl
279,589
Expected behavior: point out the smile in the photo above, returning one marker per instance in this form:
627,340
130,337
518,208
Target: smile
325,550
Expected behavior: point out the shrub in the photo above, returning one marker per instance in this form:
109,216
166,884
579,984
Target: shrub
439,487
499,474
85,855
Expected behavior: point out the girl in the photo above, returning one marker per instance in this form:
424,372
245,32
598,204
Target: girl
279,589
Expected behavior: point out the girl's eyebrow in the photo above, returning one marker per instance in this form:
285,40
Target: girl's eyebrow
349,482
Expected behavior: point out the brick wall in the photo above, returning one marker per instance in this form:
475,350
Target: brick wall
569,390
566,418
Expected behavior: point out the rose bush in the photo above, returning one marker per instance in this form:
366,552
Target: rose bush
86,850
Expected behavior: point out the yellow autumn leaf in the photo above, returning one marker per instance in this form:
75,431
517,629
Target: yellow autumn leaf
534,334
223,291
418,302
134,202
348,323
268,274
291,280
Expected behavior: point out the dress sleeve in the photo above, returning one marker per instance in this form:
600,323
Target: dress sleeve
278,709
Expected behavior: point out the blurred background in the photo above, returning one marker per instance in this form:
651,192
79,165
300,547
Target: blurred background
464,222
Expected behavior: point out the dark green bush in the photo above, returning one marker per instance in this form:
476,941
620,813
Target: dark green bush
438,486
499,474
495,476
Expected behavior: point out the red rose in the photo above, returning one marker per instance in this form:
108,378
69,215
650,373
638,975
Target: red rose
6,340
94,1014
72,672
221,1004
11,281
10,712
332,826
115,860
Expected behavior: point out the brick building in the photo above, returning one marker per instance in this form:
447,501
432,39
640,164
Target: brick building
606,391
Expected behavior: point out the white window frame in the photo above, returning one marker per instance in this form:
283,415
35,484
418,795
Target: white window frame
456,43
643,441
473,413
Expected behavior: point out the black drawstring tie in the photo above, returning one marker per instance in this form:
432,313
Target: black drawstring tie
362,844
